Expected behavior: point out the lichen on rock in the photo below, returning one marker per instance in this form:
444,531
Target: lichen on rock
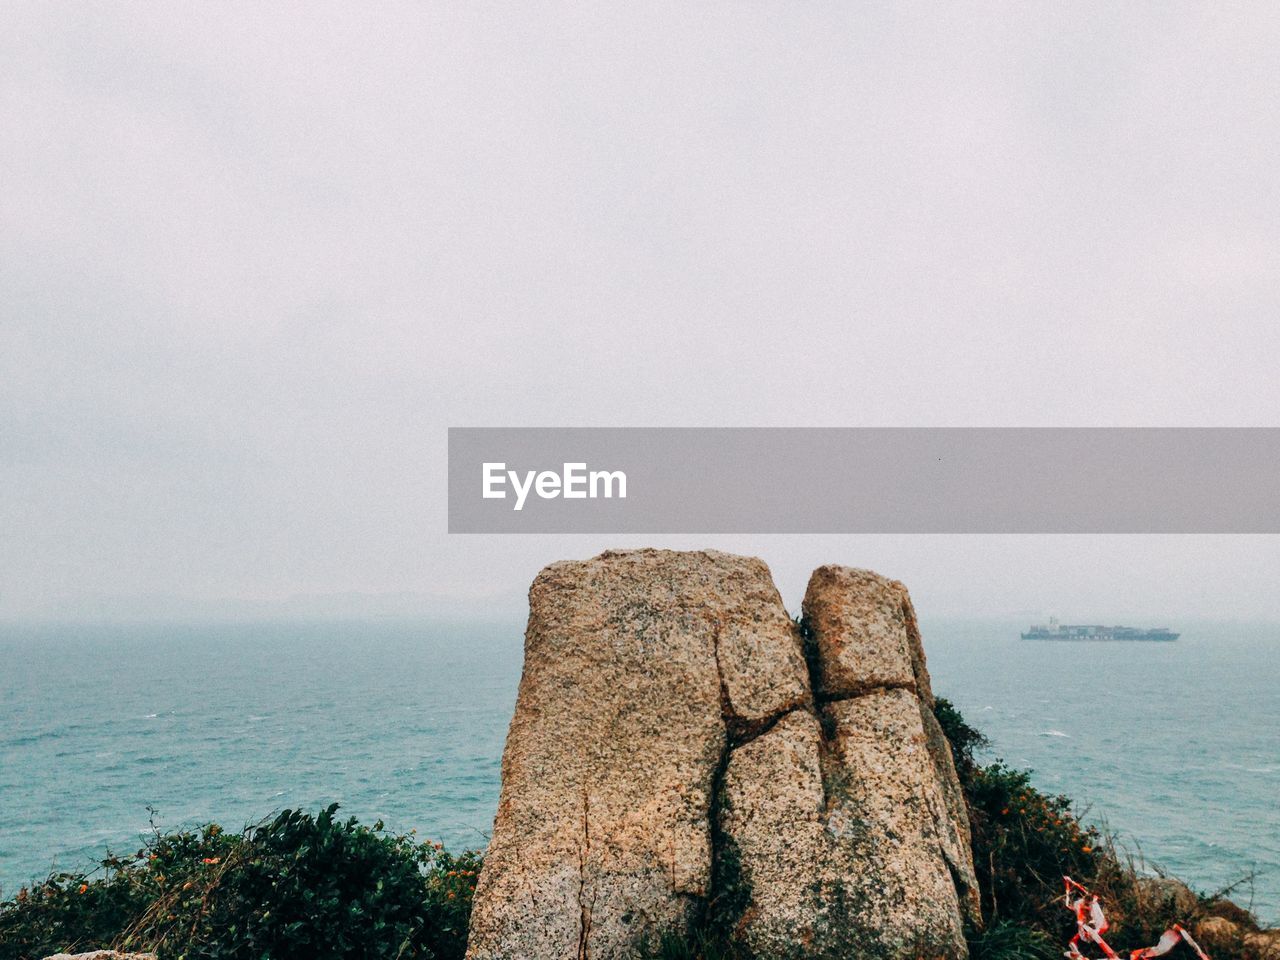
676,762
847,835
603,836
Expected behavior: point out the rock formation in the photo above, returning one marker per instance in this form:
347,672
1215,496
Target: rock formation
671,764
848,823
1229,930
603,832
1165,896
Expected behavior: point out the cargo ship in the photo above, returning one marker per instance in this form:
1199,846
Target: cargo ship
1092,631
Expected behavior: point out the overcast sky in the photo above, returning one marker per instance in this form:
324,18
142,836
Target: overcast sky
255,259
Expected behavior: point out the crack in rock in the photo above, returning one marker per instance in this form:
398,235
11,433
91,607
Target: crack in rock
584,909
682,754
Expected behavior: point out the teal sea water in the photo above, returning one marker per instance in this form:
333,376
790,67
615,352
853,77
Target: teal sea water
1174,746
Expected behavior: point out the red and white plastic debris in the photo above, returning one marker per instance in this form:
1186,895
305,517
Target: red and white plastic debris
1091,924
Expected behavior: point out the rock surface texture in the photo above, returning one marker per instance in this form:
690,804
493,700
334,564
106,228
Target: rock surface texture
1165,896
683,756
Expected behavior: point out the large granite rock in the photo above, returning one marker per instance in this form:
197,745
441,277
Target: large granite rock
773,845
886,818
866,638
848,828
669,766
637,667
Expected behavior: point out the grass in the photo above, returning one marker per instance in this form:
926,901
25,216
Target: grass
1012,941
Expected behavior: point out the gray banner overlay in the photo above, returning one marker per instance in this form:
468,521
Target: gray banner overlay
864,480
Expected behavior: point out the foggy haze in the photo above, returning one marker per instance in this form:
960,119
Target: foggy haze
254,262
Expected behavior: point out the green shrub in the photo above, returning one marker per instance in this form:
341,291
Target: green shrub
1023,844
963,738
299,885
1023,841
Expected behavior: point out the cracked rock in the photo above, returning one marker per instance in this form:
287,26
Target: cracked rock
867,637
841,836
672,765
603,834
774,854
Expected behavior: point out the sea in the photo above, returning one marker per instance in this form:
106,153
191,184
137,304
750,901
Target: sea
108,730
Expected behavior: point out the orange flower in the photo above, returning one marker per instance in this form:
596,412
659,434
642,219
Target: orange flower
1087,849
84,887
211,860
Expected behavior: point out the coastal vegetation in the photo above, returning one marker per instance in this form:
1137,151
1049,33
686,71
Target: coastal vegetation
297,885
1025,841
309,885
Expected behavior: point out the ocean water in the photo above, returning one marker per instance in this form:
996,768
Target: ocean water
1173,746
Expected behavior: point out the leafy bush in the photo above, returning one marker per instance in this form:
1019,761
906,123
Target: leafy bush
296,886
1023,844
963,738
1023,841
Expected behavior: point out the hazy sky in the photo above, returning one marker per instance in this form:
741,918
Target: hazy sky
254,261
